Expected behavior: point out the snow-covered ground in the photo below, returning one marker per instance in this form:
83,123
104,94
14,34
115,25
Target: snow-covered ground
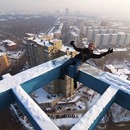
122,70
74,106
41,96
43,120
36,112
120,114
15,54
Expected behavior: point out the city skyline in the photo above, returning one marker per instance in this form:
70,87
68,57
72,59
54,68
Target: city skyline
104,7
42,100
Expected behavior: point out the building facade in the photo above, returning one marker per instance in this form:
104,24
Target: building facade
92,33
4,63
113,40
40,51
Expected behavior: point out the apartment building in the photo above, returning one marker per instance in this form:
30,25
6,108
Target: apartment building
127,39
113,40
87,28
74,37
58,31
10,45
4,63
63,86
72,21
80,25
40,51
92,33
35,46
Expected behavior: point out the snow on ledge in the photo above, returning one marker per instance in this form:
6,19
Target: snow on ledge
88,119
34,110
116,81
12,81
40,69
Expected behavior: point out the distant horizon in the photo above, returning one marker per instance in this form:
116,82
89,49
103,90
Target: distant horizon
119,8
76,13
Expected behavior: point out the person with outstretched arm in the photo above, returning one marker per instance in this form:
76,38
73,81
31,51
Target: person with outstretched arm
83,55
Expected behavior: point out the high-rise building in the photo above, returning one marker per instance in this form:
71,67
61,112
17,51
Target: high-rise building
58,31
10,45
71,21
4,63
35,49
67,11
113,40
94,27
105,40
93,32
127,39
90,35
74,37
85,31
120,39
74,34
40,51
80,24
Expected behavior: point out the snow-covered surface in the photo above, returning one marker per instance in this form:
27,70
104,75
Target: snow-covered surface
116,81
9,42
30,34
52,30
6,76
119,114
88,119
15,54
44,121
35,111
120,70
107,77
64,100
43,42
29,74
22,118
41,96
65,121
3,19
67,48
86,68
2,48
2,53
11,54
115,49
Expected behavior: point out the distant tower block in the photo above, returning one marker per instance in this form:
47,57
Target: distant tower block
67,11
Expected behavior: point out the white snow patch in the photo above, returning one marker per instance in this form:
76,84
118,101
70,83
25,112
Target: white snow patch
87,120
35,111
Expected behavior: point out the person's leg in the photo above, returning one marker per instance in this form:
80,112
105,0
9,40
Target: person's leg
65,66
76,68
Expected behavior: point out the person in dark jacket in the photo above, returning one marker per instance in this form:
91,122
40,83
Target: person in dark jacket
83,55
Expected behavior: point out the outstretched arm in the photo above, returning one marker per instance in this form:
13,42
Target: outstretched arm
110,50
76,48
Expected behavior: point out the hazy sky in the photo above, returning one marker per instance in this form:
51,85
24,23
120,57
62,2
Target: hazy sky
107,6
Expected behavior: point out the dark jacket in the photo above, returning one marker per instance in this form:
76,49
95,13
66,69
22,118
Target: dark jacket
85,53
